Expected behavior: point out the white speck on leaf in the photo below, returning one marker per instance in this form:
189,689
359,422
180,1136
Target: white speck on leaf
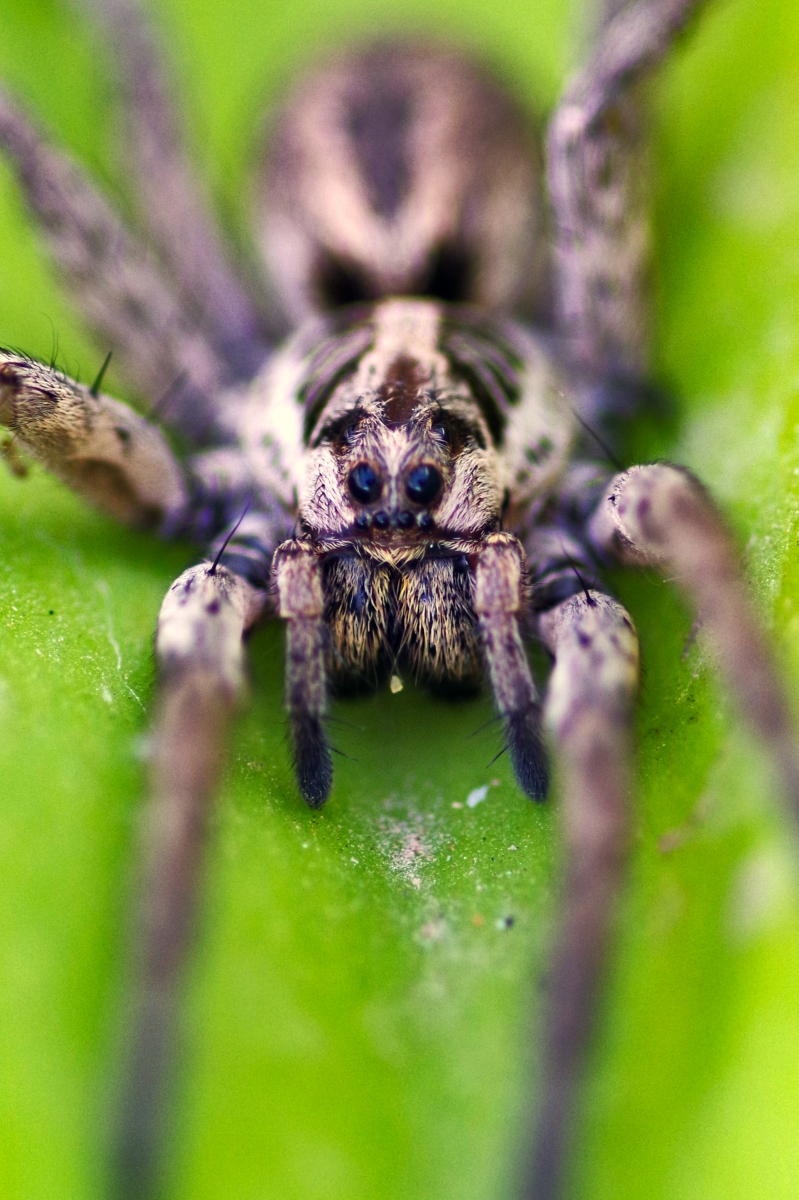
477,796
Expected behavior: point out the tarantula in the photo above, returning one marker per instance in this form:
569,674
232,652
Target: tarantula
411,480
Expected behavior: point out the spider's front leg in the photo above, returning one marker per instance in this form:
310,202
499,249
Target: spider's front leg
588,710
661,516
199,647
499,601
96,445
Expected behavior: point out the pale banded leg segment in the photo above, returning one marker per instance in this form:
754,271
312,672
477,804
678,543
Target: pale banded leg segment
117,287
588,712
298,579
597,187
96,445
171,198
499,601
201,660
661,516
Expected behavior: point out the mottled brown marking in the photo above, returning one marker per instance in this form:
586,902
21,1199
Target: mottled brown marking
400,393
378,124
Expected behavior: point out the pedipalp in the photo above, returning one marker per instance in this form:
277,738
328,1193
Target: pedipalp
499,597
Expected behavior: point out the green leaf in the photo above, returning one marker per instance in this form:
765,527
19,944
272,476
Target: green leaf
359,1010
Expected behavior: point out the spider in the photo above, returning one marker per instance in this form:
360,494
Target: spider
412,481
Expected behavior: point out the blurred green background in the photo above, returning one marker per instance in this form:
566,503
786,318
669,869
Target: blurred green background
357,1017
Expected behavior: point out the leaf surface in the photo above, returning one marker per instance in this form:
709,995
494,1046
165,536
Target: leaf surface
361,1005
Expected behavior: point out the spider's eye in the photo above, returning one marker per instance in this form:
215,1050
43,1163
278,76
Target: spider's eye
423,484
451,432
365,483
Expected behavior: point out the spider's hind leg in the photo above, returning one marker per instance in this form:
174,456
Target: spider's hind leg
171,197
117,286
597,186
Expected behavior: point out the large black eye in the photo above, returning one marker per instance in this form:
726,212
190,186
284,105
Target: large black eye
423,484
365,483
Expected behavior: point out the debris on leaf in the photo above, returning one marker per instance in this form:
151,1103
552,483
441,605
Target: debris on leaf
433,931
477,796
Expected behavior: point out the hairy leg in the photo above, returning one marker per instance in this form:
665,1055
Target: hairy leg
661,516
597,187
96,445
171,198
116,285
588,710
499,601
201,660
298,578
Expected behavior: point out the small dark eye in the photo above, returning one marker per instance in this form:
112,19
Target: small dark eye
423,484
365,483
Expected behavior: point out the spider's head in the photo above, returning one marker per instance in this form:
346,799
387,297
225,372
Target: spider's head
401,455
402,170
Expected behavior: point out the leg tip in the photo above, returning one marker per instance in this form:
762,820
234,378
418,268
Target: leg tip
528,753
312,762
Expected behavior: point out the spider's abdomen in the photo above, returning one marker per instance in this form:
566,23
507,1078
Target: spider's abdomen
403,170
